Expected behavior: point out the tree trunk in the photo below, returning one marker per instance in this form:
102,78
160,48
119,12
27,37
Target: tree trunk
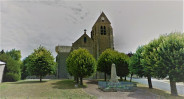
173,88
40,78
125,78
131,77
81,82
149,82
121,78
105,76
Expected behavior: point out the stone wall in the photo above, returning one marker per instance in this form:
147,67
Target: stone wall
62,68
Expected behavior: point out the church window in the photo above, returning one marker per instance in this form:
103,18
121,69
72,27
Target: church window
104,30
85,39
101,30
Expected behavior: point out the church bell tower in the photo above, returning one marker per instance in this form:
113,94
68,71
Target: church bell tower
102,35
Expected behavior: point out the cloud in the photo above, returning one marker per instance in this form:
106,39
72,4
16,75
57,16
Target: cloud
27,24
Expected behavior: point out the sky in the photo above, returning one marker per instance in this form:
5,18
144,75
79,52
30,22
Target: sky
27,24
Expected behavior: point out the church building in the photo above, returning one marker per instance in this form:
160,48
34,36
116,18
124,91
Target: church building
100,40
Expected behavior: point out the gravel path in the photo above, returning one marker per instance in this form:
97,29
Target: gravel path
92,89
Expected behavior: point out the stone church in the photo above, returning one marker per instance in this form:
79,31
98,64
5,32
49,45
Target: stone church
100,40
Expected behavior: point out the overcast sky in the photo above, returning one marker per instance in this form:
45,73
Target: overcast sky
26,24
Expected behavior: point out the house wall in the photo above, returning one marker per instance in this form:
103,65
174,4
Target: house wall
2,66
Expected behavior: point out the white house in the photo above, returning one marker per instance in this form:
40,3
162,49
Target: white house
2,65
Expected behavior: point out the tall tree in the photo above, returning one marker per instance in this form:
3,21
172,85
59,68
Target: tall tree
41,63
135,65
148,60
122,65
80,63
139,68
169,59
24,68
105,61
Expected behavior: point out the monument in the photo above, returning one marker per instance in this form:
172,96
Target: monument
113,85
114,77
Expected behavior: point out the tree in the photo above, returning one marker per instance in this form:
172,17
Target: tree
122,65
169,59
12,71
41,63
139,68
15,54
80,63
105,61
135,65
148,60
24,68
130,54
2,52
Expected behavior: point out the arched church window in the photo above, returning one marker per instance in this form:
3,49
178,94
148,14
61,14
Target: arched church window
85,39
104,30
101,30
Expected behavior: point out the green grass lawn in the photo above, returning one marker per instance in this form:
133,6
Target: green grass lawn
48,89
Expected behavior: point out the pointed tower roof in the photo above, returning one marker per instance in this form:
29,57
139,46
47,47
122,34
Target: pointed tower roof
103,17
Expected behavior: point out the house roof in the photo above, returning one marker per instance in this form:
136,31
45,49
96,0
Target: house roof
2,63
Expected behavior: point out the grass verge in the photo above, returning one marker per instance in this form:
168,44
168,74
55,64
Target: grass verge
159,92
49,89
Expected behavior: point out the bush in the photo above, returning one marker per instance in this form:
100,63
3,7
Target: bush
12,71
12,77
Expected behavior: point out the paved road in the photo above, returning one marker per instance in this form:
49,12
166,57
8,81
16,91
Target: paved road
160,84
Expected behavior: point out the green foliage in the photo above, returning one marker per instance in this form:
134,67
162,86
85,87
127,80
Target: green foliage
164,57
24,68
110,56
105,61
15,54
169,57
148,55
135,65
80,63
122,65
12,71
41,62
